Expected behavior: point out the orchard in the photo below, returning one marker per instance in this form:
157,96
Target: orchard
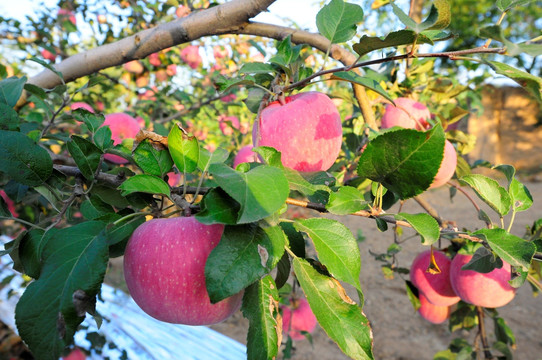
220,157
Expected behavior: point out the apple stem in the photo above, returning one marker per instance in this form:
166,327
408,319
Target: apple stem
282,99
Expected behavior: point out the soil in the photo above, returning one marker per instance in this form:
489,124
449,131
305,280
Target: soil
399,332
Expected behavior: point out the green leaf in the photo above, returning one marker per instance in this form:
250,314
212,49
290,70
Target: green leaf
153,159
85,154
48,66
23,160
283,270
286,54
261,308
424,224
530,82
397,38
94,207
244,254
117,236
246,189
508,170
29,253
254,99
270,156
11,90
512,249
505,5
346,200
102,138
336,247
483,261
184,149
74,265
439,16
92,121
9,119
490,192
338,20
520,196
217,207
405,161
257,68
337,314
224,84
503,333
206,158
146,184
404,18
512,49
296,239
365,81
413,295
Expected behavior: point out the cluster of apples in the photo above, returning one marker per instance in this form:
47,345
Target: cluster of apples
438,291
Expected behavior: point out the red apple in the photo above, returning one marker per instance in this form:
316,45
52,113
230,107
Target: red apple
134,67
190,55
122,126
75,354
174,179
227,124
171,69
407,113
220,52
48,55
488,290
228,98
245,155
296,318
9,203
65,14
447,166
436,287
307,131
433,313
154,59
182,11
81,105
164,267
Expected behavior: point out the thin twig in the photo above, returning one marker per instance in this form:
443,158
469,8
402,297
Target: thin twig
482,333
429,209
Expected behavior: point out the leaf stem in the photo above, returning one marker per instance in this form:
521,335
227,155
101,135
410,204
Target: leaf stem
511,221
488,42
129,216
21,221
290,252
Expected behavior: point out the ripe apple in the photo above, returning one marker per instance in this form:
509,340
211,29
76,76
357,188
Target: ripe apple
48,55
134,67
296,318
122,126
307,131
190,55
447,166
220,51
435,287
154,59
174,179
65,14
75,354
407,113
227,124
433,313
488,290
164,268
245,155
171,69
182,11
228,98
81,105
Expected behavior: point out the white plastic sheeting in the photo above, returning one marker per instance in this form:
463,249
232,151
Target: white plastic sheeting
130,329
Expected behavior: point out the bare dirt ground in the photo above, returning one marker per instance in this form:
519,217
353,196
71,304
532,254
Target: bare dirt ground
400,333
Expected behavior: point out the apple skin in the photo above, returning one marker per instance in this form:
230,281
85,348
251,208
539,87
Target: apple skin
65,14
489,290
307,131
134,67
81,105
245,155
75,354
191,56
301,318
436,288
433,313
164,268
408,114
227,124
122,126
46,54
447,166
154,59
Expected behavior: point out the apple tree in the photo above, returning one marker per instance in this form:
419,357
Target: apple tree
140,109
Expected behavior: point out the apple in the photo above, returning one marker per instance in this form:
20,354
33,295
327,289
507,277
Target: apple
75,354
81,105
46,54
164,268
171,69
174,179
228,98
190,55
296,318
142,80
447,166
154,59
10,204
220,52
433,313
487,290
134,67
406,113
245,155
306,129
227,124
65,14
182,11
122,126
435,287
102,19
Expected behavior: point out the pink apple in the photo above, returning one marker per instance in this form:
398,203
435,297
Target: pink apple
100,106
433,313
64,14
81,105
161,75
228,98
436,287
190,55
182,11
164,268
171,69
245,155
122,126
307,131
154,59
488,290
447,166
46,54
227,124
134,67
174,179
75,354
407,113
296,318
257,58
142,80
9,203
220,51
